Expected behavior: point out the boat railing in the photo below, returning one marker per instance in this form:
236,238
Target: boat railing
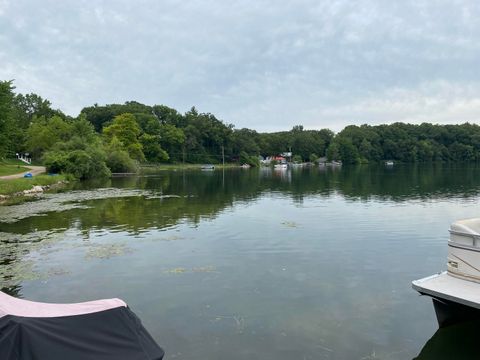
475,239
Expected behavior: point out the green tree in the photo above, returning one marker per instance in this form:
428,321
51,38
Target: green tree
125,128
348,152
32,105
297,159
6,121
461,152
98,115
169,116
251,160
172,140
333,151
44,133
245,140
152,149
83,164
205,136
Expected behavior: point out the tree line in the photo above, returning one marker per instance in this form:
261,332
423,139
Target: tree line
119,137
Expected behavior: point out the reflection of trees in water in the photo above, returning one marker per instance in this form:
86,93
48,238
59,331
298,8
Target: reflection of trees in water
400,183
14,290
10,289
198,195
407,182
457,342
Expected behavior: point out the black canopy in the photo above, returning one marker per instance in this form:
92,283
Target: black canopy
112,334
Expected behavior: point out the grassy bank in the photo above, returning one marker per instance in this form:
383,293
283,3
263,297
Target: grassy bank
11,167
9,187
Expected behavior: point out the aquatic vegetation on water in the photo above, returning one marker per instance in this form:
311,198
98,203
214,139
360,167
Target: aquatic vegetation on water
204,269
64,201
106,251
171,238
290,224
18,264
16,271
181,270
25,257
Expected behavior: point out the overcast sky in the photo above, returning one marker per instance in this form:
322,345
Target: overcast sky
262,64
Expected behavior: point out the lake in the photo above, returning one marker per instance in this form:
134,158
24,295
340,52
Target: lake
254,263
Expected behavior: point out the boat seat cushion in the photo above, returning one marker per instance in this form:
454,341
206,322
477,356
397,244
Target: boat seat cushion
468,226
19,307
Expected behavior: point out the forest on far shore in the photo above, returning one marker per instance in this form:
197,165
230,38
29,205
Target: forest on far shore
120,137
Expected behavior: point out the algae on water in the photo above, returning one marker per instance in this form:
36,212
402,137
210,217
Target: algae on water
64,201
27,257
106,251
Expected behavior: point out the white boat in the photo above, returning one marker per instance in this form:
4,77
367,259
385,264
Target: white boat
389,163
280,166
208,167
245,166
456,292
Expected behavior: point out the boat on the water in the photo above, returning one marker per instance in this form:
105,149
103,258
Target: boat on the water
208,167
101,330
246,166
389,163
280,166
456,292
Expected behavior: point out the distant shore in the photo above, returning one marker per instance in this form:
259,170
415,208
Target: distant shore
181,166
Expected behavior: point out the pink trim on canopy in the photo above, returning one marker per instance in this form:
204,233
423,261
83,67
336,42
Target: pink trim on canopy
18,307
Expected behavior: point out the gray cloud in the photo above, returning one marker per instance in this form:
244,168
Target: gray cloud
260,64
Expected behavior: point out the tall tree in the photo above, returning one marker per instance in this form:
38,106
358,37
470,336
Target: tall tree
125,128
30,105
6,121
43,133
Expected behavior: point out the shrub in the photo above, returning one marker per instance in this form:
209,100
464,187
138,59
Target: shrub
297,159
55,162
83,164
250,160
118,161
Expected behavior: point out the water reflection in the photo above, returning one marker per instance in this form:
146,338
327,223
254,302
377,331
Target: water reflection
459,342
311,263
204,194
400,183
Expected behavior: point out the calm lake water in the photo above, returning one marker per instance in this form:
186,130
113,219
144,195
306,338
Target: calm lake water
254,264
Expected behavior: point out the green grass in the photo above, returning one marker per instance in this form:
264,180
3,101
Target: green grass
11,162
11,167
9,187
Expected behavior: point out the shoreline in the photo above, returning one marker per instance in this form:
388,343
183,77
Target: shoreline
16,191
184,166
